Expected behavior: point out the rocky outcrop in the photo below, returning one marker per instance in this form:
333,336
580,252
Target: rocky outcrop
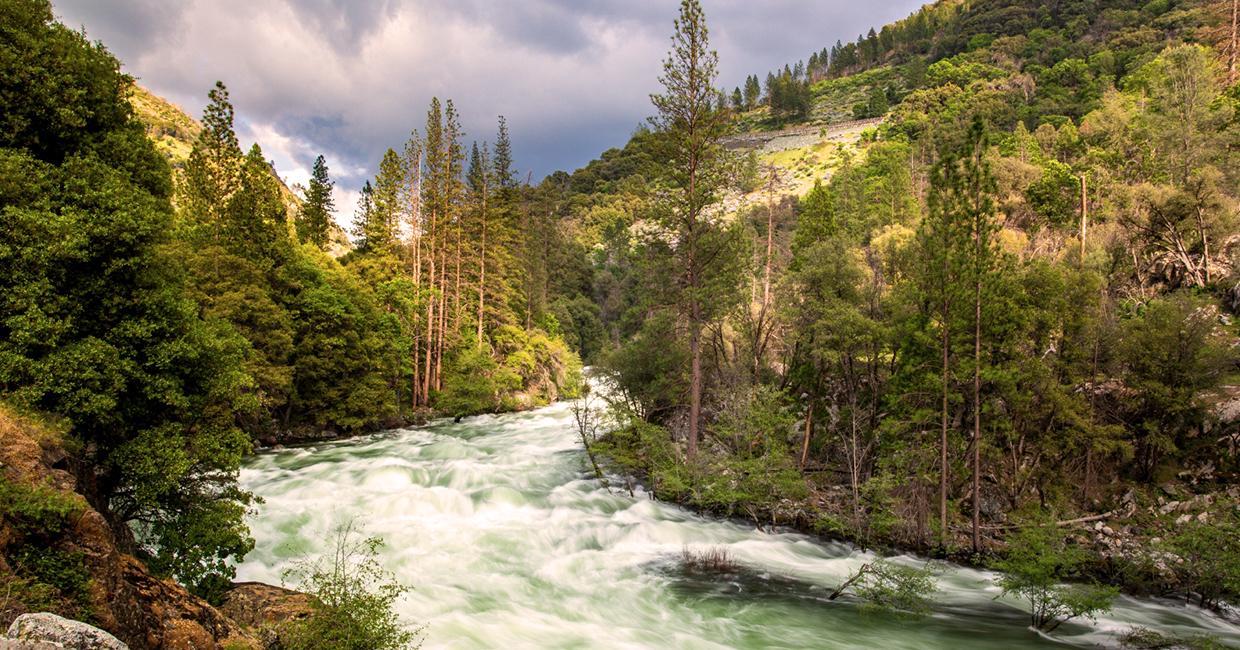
257,606
120,595
51,631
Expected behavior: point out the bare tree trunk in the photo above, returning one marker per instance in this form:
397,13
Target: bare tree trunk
1084,217
943,467
695,374
1205,243
443,315
1231,51
977,403
430,314
456,297
809,432
415,226
482,265
770,227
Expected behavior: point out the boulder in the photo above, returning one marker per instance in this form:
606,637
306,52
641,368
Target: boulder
14,644
256,605
62,632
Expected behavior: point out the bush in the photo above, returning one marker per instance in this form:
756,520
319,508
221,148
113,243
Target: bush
1208,555
57,579
469,385
889,587
712,560
37,509
352,599
1037,562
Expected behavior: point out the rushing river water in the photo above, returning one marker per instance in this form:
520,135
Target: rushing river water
508,543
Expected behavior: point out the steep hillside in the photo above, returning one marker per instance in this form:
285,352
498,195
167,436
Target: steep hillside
59,554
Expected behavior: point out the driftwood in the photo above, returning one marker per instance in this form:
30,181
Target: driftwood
1071,522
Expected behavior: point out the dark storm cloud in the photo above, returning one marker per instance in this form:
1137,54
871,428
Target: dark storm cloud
349,78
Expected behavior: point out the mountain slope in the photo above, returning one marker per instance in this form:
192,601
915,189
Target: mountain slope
173,132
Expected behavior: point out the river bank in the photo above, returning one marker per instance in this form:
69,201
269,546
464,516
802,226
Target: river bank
1124,543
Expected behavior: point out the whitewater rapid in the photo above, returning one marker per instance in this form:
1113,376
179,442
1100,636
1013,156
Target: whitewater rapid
508,542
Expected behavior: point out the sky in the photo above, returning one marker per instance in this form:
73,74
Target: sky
349,78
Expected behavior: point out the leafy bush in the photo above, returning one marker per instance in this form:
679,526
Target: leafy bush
889,587
352,600
1037,562
37,509
1208,554
64,572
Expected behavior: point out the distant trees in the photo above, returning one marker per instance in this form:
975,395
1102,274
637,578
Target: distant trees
788,94
752,91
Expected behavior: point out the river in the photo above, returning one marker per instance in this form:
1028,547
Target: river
507,542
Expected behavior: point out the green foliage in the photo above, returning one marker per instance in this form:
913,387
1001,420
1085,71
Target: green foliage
1171,352
1037,562
1056,194
96,323
37,509
315,217
890,588
470,386
352,599
1207,554
64,572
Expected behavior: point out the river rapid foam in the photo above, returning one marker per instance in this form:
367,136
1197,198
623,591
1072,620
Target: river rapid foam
508,542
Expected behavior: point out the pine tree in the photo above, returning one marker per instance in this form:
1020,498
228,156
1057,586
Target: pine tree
213,171
390,203
690,130
316,214
454,196
378,227
479,179
435,206
364,215
961,228
256,221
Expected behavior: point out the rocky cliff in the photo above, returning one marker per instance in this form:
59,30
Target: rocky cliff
58,554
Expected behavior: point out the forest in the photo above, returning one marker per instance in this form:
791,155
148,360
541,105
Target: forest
994,322
1009,308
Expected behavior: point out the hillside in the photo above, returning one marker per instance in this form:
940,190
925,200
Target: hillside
174,132
1095,141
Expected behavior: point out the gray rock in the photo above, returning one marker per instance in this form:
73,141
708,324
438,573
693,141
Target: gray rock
14,644
61,632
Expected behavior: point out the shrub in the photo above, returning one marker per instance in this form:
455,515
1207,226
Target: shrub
37,509
1208,555
715,559
1037,562
889,587
352,599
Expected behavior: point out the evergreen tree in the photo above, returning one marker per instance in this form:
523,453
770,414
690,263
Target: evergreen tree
316,214
753,92
213,172
96,325
257,221
690,132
